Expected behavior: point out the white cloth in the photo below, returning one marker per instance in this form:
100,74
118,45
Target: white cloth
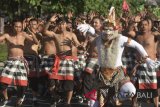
86,28
122,43
150,63
93,103
127,91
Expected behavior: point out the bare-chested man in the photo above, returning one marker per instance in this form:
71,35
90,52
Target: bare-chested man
92,60
64,63
16,68
32,56
48,53
149,42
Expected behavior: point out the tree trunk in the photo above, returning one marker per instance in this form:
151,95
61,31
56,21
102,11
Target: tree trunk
1,25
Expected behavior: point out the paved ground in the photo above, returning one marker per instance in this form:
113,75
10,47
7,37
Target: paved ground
45,102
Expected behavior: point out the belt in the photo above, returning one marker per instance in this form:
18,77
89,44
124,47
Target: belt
112,78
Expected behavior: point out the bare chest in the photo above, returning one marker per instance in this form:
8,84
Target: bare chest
146,41
16,40
64,40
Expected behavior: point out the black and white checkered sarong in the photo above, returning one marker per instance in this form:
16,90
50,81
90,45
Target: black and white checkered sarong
15,71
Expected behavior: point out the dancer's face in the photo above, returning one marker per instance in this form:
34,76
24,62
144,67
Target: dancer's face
108,33
63,26
97,24
18,27
33,24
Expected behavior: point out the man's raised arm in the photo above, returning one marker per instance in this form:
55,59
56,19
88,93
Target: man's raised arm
157,35
31,37
46,31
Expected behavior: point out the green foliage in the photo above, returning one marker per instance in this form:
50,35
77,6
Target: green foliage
156,11
37,7
3,52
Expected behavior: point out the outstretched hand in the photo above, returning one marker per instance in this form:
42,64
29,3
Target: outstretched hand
53,18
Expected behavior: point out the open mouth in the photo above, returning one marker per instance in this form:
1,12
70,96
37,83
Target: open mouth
107,37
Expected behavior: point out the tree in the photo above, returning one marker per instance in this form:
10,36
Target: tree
36,8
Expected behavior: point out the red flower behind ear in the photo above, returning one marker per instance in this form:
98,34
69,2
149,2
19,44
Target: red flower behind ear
125,6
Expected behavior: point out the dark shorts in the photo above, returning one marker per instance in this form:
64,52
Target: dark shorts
33,83
89,81
67,85
158,81
53,83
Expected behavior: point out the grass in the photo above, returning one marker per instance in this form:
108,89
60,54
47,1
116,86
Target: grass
3,52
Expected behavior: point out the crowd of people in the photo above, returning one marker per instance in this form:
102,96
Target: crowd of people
79,54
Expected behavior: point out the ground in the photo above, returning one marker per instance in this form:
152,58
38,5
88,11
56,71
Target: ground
45,101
